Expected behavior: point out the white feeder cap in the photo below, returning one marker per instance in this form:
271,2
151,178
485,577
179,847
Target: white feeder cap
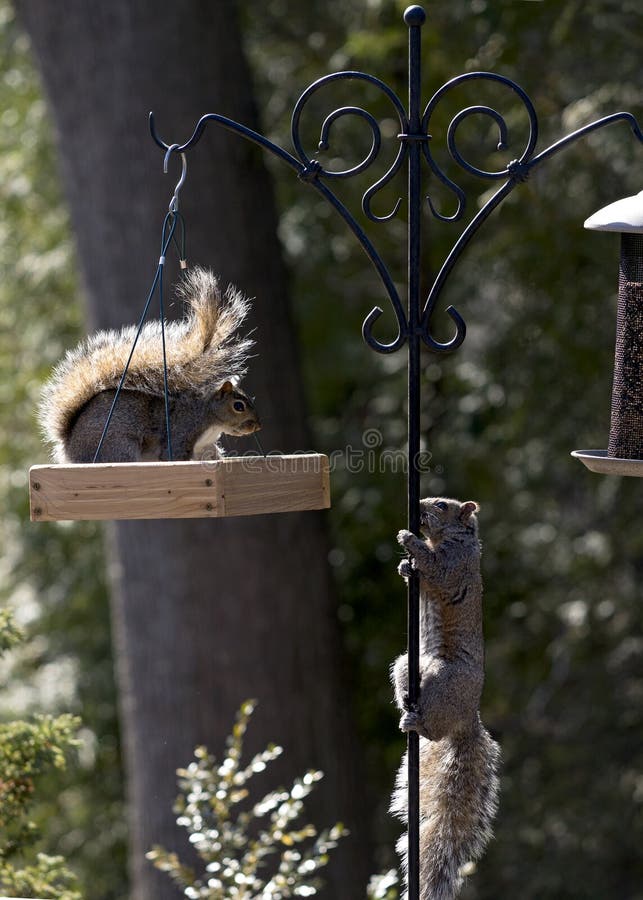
624,215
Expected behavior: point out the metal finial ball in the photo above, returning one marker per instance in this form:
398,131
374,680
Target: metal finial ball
414,16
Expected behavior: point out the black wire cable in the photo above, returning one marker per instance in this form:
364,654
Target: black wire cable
171,218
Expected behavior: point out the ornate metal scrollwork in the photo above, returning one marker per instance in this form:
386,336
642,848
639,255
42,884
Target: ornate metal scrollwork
310,170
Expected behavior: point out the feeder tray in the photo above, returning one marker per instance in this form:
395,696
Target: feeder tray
234,486
598,461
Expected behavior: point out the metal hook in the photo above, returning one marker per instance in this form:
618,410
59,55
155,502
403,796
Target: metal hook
174,202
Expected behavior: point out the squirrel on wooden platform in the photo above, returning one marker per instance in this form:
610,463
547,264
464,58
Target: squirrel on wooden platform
205,359
458,757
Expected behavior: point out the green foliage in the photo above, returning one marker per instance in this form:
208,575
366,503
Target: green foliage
27,750
48,878
231,838
10,634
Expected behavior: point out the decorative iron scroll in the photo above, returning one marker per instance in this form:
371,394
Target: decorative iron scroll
312,172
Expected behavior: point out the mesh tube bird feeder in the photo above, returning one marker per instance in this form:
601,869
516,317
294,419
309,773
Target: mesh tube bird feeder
624,454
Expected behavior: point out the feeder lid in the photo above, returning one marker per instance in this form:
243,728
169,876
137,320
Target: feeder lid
624,215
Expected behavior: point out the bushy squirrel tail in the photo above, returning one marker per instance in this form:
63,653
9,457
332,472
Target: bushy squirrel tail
458,802
205,346
203,350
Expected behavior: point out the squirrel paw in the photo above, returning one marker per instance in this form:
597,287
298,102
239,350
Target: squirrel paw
404,537
410,721
405,568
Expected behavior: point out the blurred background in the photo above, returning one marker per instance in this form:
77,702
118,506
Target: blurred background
562,548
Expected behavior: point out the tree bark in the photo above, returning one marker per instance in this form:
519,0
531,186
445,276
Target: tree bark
206,613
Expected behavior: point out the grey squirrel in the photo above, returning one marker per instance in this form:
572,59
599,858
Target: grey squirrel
459,759
205,357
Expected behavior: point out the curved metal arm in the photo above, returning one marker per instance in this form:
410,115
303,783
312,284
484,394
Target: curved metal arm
312,172
229,125
518,171
587,129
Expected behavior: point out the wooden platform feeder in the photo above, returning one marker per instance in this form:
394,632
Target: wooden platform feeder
235,486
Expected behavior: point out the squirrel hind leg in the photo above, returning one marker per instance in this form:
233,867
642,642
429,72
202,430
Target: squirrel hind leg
117,448
123,441
125,449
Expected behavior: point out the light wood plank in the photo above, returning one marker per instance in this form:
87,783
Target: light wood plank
234,486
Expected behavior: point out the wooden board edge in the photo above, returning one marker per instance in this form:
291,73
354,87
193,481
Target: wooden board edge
205,508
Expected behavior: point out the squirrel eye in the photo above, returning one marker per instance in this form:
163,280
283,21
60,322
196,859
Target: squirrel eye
239,405
441,505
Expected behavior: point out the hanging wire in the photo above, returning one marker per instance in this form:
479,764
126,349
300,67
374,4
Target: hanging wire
168,236
261,450
174,202
166,391
171,220
180,245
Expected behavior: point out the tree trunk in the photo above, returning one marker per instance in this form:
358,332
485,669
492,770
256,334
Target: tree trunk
206,613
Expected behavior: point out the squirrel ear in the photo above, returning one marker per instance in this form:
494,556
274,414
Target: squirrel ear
468,509
226,387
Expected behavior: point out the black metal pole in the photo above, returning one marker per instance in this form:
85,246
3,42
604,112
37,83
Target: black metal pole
414,18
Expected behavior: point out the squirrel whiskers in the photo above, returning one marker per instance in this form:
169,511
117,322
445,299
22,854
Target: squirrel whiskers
459,759
205,358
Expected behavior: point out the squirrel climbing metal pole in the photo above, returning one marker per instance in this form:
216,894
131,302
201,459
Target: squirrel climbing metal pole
413,324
